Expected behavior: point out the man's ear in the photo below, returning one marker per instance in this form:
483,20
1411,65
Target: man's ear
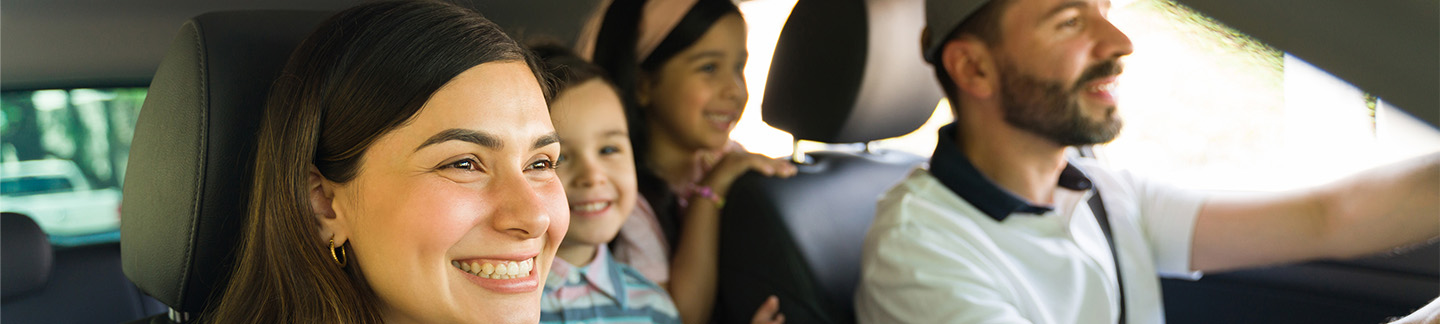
321,192
971,65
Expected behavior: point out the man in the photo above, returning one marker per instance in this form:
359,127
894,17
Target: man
1002,228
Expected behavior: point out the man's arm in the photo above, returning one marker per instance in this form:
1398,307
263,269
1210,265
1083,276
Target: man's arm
1372,211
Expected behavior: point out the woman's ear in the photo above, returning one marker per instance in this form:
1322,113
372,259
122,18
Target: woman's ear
971,66
322,205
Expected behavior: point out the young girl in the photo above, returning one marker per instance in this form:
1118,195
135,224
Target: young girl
598,173
679,63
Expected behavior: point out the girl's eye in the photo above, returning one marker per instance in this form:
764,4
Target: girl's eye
609,150
709,68
1072,22
561,159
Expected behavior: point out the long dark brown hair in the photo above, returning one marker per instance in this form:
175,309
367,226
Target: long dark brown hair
361,73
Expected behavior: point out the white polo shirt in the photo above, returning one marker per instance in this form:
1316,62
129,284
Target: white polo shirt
933,256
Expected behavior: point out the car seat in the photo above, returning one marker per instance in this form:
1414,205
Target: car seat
45,285
188,180
844,71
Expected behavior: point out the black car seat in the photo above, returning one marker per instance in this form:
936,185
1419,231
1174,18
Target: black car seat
189,174
47,286
844,71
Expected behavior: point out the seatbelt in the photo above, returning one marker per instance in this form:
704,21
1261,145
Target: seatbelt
1097,207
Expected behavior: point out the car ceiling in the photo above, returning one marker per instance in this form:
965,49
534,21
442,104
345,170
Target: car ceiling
1389,48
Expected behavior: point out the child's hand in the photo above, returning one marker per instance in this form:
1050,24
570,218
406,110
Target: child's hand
736,163
769,312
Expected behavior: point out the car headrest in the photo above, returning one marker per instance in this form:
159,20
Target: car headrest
849,71
26,255
188,181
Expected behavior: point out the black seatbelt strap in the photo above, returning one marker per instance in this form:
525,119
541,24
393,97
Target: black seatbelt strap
1097,207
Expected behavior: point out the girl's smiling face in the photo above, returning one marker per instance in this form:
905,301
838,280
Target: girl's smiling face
696,97
467,181
598,167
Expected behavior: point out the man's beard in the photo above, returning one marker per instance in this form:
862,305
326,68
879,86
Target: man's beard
1050,110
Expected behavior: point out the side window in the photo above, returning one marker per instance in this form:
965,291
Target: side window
1208,107
62,159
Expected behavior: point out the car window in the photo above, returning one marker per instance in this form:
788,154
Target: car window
1204,106
62,159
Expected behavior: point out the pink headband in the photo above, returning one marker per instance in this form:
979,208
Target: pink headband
657,19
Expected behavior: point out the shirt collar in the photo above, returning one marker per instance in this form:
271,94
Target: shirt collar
950,165
600,275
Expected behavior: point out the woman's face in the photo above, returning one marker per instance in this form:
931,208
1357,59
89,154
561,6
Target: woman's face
599,168
467,184
697,96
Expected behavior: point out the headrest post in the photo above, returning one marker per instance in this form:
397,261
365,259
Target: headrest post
797,156
179,316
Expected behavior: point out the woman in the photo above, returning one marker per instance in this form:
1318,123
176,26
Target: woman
404,173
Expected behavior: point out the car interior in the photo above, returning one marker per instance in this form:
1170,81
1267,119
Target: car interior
844,73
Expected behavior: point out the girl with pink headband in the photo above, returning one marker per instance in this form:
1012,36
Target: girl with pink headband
678,65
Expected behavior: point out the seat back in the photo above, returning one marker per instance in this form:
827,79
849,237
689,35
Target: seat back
49,286
188,180
844,71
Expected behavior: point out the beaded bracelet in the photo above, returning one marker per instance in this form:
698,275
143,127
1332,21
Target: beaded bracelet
707,193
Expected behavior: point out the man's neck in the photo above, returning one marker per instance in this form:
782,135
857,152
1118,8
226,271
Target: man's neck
1016,160
577,254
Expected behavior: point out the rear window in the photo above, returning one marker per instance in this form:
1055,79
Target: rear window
63,154
26,186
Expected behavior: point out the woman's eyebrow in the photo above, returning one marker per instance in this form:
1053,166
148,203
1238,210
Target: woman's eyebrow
545,140
467,135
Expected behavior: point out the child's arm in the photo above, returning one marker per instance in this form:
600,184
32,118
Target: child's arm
693,270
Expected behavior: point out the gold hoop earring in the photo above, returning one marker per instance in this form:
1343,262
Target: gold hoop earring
338,257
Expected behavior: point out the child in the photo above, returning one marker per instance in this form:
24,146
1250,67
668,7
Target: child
679,63
598,173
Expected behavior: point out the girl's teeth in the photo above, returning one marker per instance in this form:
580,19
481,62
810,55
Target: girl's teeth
592,207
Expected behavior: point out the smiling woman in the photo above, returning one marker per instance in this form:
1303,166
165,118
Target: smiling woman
404,173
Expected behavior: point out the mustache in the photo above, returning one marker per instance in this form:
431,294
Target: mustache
1100,70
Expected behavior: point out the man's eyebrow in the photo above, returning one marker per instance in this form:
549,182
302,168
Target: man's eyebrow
466,135
1062,7
545,140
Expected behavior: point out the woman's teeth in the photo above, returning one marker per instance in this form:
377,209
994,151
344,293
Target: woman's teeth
591,207
498,269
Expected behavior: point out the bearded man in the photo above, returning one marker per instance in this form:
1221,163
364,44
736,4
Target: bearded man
1002,227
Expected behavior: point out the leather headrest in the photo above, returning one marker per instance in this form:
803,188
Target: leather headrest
26,255
849,71
188,181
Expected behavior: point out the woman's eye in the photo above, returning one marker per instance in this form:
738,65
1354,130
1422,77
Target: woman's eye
609,150
466,164
541,165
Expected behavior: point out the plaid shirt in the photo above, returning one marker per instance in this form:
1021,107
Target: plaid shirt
604,291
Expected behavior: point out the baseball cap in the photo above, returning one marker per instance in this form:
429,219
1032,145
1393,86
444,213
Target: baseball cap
942,17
